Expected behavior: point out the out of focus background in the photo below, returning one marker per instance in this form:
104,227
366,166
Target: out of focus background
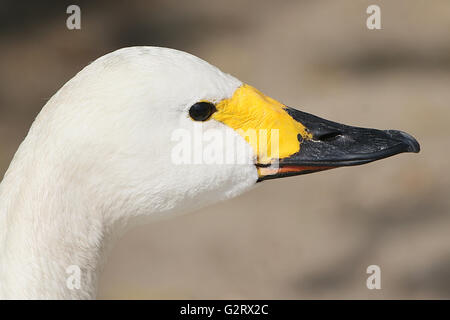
310,236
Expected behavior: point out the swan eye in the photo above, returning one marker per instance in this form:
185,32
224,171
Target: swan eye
201,111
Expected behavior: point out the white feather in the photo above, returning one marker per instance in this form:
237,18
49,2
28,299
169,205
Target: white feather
97,159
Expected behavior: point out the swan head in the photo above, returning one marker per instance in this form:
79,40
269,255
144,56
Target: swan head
148,131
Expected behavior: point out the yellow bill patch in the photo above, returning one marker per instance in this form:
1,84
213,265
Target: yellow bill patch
263,122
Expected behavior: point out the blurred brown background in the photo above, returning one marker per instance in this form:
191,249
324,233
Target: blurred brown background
311,236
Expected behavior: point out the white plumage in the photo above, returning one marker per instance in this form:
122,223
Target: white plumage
97,159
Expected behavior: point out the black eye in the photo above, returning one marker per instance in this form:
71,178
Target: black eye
201,111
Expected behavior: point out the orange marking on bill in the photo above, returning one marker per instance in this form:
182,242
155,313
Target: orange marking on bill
267,171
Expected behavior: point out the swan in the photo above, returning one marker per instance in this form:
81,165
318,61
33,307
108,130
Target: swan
114,148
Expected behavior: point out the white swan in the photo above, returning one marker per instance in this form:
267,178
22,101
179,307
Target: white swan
100,157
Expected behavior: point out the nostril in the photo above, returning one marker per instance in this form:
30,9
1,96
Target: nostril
326,135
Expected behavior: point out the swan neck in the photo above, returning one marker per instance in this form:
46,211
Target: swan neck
52,241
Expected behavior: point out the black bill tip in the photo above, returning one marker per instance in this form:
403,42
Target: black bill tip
409,142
